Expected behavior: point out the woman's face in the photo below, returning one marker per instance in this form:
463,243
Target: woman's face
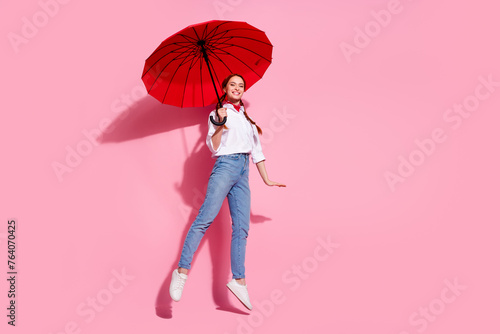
234,89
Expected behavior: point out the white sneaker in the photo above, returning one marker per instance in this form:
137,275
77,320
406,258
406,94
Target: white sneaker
241,292
177,285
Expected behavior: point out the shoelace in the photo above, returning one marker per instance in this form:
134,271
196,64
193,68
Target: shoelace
243,292
180,283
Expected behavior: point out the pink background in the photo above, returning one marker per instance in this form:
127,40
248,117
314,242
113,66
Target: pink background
334,126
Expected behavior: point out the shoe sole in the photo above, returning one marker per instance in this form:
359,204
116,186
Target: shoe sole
175,300
237,297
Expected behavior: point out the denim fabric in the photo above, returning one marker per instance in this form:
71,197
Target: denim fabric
229,178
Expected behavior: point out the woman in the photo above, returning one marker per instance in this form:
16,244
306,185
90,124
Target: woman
233,144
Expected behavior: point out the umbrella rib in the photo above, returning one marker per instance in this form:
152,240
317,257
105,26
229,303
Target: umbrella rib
173,75
227,39
241,61
194,59
214,32
190,39
190,47
204,34
219,41
223,63
152,65
175,58
216,40
215,35
167,45
215,57
189,51
184,61
241,47
196,33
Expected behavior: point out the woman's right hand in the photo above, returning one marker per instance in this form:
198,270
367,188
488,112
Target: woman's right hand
222,113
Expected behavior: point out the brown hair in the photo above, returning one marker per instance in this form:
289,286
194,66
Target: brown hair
224,84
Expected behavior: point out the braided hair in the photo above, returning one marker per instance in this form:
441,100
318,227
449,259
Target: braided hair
224,84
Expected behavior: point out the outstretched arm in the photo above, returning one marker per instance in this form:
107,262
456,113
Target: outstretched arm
263,173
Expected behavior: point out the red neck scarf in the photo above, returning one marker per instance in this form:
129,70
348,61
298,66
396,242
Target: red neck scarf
236,106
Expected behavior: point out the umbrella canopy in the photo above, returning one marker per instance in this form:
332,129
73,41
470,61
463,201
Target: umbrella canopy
187,68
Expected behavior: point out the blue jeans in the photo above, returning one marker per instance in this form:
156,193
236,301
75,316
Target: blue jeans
229,178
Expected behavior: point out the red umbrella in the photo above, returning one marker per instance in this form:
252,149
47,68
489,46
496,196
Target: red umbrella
187,68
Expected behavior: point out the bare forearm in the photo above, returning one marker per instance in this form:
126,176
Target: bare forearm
261,166
263,173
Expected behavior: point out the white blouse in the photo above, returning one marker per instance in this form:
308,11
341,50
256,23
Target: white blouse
240,136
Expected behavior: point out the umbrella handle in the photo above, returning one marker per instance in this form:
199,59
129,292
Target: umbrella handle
218,123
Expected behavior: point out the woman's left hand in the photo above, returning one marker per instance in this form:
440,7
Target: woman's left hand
272,183
263,173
